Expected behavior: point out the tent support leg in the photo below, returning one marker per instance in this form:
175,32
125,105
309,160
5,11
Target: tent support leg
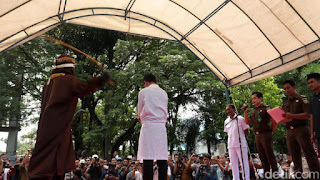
227,95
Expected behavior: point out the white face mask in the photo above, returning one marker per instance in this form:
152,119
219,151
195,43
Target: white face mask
105,167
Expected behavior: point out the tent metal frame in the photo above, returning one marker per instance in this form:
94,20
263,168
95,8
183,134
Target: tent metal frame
224,80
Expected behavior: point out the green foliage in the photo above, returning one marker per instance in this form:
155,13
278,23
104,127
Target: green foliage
26,141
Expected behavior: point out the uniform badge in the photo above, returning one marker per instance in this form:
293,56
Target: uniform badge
259,117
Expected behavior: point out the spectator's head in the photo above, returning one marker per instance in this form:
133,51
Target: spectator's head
195,157
314,82
119,161
82,163
114,160
214,159
4,157
139,166
18,160
230,109
185,157
176,158
95,159
206,158
290,88
181,159
125,162
132,165
101,161
289,158
149,79
278,158
112,166
88,161
257,98
253,156
222,159
77,163
201,158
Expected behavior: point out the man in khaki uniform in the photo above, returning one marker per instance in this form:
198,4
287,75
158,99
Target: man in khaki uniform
263,126
298,132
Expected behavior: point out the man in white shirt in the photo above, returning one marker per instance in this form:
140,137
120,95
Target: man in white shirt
235,125
152,113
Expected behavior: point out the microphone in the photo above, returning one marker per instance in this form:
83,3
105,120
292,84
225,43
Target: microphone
244,107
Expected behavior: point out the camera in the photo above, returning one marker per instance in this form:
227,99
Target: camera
178,177
78,172
109,176
202,168
111,164
180,159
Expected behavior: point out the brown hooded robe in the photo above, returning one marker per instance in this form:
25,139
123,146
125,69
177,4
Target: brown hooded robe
53,151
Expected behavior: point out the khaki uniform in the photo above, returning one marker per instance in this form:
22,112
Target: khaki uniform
262,127
298,134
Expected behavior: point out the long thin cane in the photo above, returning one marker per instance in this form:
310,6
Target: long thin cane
254,168
75,49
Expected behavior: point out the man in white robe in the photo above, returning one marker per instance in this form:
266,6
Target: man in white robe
152,113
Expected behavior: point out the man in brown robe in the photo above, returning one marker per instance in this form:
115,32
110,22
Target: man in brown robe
53,155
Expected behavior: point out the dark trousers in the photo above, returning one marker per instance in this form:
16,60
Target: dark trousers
49,178
148,169
318,142
297,139
264,144
53,177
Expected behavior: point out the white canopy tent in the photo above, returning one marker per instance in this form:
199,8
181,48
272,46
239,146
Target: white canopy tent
241,41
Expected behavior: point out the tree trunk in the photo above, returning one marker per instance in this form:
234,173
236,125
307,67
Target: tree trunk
208,146
123,137
15,118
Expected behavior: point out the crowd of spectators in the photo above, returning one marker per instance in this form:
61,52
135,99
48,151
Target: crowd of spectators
180,167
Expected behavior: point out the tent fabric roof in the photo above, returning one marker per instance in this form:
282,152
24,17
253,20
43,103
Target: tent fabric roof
241,41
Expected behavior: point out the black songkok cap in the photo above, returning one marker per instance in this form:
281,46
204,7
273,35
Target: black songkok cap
313,75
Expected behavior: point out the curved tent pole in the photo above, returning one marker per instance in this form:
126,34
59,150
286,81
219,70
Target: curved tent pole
251,74
152,24
75,49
